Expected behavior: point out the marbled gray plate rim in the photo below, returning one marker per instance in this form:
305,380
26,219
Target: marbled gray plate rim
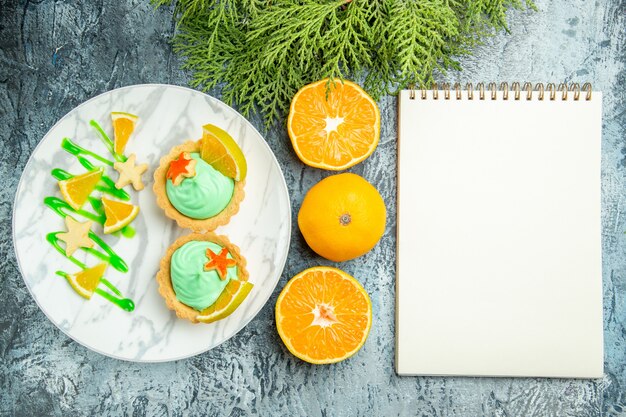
46,136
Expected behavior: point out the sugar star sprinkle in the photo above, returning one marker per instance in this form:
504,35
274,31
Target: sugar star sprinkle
77,235
130,173
219,262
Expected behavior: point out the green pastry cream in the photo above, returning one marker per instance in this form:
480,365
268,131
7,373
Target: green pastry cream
204,195
193,285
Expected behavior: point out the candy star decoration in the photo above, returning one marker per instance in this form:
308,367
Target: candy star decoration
77,235
182,167
219,262
130,173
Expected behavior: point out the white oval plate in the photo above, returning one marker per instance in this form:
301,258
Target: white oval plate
168,115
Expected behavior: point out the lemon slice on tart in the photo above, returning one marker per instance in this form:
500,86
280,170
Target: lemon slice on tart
118,214
233,295
220,150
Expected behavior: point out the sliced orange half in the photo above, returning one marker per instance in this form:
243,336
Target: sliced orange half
220,150
323,315
118,214
333,126
123,127
85,282
233,295
76,190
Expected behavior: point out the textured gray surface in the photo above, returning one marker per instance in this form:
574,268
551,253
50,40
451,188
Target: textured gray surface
104,44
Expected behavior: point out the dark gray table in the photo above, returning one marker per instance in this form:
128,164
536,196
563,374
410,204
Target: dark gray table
56,54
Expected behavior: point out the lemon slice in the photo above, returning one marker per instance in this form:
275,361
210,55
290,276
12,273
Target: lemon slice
233,295
333,129
118,214
85,282
76,190
323,315
123,127
221,151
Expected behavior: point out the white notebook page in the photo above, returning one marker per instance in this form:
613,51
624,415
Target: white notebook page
499,237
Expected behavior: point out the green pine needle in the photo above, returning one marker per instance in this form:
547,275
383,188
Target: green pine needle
257,54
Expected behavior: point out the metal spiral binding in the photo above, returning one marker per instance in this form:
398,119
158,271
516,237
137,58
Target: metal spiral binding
574,88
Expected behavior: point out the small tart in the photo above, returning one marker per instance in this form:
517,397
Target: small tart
164,279
197,225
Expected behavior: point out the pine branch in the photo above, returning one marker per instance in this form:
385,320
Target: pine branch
258,53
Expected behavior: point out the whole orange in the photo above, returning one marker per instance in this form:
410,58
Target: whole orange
342,217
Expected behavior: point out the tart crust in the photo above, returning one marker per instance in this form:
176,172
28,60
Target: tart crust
197,225
164,278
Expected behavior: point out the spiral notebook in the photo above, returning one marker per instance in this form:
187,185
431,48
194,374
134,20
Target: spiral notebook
499,232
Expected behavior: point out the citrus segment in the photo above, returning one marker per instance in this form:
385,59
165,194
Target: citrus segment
123,127
76,190
221,151
86,281
333,128
118,214
233,295
323,315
